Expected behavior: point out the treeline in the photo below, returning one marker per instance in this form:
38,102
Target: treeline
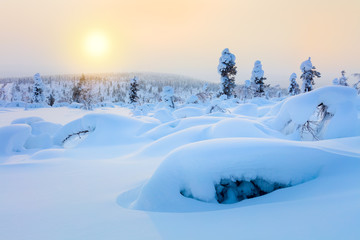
90,89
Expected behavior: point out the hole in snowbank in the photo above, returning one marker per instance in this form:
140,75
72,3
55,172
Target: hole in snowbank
233,190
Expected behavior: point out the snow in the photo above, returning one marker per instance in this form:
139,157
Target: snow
13,138
341,102
257,72
225,59
247,109
184,173
306,65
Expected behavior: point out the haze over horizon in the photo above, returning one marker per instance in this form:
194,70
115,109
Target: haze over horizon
180,37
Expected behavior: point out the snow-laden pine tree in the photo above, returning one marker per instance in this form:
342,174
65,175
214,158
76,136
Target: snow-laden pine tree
134,88
343,79
167,96
227,70
294,86
257,78
38,89
308,74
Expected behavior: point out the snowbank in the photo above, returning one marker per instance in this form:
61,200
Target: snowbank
13,138
341,115
186,112
101,129
42,132
247,109
194,170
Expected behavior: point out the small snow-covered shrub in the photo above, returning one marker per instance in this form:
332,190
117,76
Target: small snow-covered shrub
325,113
216,105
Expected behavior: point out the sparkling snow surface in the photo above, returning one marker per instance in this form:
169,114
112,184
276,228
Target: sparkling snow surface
67,173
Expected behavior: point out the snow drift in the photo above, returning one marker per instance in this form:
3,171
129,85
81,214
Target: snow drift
102,129
202,170
328,112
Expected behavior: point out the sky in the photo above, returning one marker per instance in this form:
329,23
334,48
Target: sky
180,36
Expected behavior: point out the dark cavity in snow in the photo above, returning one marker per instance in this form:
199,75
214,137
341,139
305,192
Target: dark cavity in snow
232,190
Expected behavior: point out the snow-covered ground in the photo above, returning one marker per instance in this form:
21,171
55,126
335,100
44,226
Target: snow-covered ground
224,170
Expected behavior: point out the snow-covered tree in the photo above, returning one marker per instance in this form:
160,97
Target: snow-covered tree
86,97
357,85
227,70
38,89
343,79
76,96
134,88
82,93
51,99
167,96
257,77
248,91
294,86
16,94
308,74
336,81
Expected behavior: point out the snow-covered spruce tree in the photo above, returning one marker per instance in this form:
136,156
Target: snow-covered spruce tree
167,96
294,86
134,88
38,89
257,77
227,70
343,79
308,75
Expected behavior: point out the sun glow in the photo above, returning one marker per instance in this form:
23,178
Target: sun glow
96,44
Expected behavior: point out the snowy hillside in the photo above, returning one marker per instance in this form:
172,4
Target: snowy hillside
221,169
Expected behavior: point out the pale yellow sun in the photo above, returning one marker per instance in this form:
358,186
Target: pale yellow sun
96,44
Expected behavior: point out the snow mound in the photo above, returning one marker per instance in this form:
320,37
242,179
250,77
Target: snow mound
306,65
227,171
100,129
186,112
163,114
329,112
237,127
246,109
13,138
41,132
27,120
225,128
178,125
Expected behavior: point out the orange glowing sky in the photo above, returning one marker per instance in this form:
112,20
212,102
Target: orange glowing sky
179,36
